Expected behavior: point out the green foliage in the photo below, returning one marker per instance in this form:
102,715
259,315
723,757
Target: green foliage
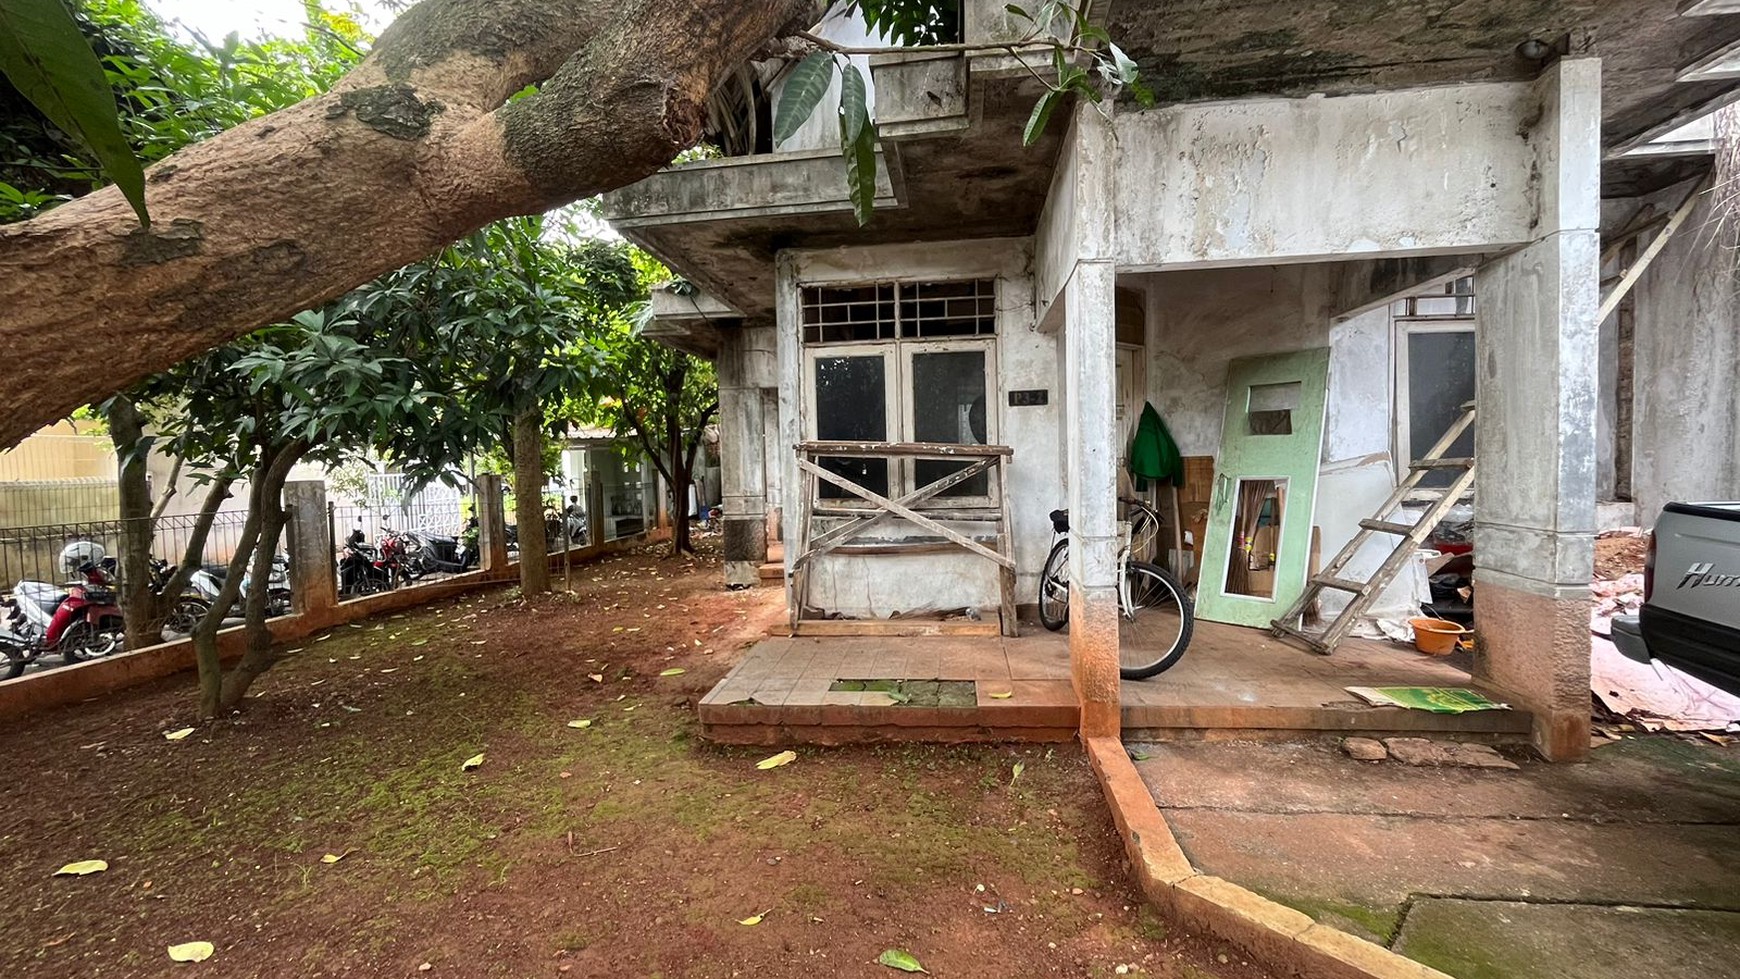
171,92
912,23
45,57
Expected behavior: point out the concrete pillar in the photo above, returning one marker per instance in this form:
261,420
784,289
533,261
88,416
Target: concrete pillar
1537,343
491,526
1090,385
1090,362
742,441
308,532
789,358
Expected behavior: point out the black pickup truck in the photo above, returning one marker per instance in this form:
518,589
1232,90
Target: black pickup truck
1690,618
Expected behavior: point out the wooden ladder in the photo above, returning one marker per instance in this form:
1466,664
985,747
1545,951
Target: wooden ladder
1411,537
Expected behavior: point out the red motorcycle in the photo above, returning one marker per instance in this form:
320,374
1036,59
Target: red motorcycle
80,621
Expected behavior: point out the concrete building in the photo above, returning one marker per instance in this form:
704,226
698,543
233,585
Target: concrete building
1421,197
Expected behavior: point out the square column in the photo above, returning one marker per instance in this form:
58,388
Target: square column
1091,459
313,573
742,447
1536,354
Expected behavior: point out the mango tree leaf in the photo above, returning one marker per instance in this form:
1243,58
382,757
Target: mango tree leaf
901,959
334,857
174,735
44,55
1003,695
803,91
1041,113
82,867
861,170
673,671
1015,772
473,762
783,758
191,951
854,103
582,723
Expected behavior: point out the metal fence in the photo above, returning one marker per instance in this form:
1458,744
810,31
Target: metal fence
34,553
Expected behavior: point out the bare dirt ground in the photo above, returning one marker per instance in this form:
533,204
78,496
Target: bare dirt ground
626,848
1617,556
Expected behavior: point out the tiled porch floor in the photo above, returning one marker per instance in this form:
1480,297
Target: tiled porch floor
1233,682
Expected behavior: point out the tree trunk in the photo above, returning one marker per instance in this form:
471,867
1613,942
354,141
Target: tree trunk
259,655
680,478
205,650
416,147
529,501
141,610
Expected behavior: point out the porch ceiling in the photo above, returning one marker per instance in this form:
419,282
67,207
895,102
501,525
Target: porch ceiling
1236,48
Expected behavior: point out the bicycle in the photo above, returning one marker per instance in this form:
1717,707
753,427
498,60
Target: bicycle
1144,529
1155,617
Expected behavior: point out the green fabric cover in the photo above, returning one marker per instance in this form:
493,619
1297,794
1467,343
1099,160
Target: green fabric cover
1153,454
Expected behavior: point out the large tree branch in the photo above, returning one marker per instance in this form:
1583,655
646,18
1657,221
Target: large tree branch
412,150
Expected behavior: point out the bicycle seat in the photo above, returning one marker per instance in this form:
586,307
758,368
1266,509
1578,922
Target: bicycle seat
1060,521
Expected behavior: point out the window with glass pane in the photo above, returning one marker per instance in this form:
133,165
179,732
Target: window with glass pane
851,405
1440,382
949,406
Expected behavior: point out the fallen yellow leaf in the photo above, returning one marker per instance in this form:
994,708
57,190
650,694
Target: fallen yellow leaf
177,735
674,671
783,758
191,951
334,857
755,919
82,867
1003,695
585,722
472,762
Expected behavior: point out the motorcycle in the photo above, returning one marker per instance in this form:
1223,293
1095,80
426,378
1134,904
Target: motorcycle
80,621
364,569
426,554
205,584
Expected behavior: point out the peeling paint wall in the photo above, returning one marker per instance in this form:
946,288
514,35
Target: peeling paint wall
1200,321
1686,422
1263,180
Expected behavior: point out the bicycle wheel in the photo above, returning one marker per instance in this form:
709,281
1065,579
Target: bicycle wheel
1144,532
1154,622
1054,587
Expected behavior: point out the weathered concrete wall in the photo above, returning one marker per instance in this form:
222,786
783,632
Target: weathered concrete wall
1200,321
878,585
1266,180
1686,421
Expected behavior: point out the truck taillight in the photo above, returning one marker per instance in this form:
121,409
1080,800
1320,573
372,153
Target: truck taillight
1649,570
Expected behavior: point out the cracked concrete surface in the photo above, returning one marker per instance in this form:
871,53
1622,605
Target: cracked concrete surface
1624,866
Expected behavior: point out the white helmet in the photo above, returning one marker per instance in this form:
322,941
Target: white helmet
80,553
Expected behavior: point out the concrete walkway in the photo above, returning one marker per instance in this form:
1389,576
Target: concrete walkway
1627,866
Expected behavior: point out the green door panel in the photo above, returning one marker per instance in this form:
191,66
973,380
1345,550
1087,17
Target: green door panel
1273,432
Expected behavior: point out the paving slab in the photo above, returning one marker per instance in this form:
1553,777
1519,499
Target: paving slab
1507,940
1363,845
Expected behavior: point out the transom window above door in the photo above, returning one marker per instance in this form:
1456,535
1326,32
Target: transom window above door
901,362
899,311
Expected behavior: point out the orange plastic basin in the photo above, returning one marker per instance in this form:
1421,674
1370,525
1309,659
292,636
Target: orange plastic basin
1436,637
